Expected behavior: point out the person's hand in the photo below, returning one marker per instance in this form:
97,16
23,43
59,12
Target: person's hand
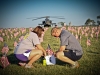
44,53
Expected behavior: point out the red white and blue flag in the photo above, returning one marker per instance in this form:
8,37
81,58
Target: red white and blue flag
4,59
49,51
50,58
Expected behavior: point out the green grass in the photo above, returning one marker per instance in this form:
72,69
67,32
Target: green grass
89,63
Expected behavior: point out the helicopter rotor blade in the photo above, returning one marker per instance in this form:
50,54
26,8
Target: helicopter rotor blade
32,17
56,16
37,18
46,17
59,17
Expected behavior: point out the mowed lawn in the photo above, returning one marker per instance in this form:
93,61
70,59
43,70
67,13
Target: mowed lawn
89,63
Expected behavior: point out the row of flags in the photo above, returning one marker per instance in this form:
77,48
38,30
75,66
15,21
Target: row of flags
88,32
79,32
17,35
9,33
14,33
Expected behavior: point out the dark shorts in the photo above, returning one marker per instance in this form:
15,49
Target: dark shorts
22,57
72,55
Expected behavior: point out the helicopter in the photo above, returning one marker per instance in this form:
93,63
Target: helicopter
47,22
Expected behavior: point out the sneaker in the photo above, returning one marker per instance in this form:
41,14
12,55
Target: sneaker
28,66
76,65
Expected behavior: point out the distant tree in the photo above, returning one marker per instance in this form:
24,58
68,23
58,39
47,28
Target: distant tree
90,22
98,20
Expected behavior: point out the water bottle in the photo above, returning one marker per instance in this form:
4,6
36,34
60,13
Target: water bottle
44,62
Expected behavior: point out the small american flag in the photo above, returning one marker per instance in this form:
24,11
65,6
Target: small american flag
97,34
88,42
76,36
1,39
4,59
15,43
5,49
50,58
49,51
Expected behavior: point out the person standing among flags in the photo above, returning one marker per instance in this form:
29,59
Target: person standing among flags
70,50
30,49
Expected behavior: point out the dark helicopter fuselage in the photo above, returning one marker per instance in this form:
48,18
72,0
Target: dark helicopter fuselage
47,23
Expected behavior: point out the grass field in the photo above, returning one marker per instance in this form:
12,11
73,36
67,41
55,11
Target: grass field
89,63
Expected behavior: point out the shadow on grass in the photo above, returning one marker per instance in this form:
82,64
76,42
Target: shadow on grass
58,62
93,52
11,49
1,66
12,59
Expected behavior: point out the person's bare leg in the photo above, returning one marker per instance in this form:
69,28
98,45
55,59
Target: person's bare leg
60,56
34,55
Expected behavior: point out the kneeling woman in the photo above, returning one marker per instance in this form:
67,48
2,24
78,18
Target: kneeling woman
29,49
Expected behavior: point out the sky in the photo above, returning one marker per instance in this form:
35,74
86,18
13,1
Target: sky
14,13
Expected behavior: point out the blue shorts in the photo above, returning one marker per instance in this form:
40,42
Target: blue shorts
22,57
72,55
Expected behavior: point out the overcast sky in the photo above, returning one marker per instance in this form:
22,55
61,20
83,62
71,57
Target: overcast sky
13,13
